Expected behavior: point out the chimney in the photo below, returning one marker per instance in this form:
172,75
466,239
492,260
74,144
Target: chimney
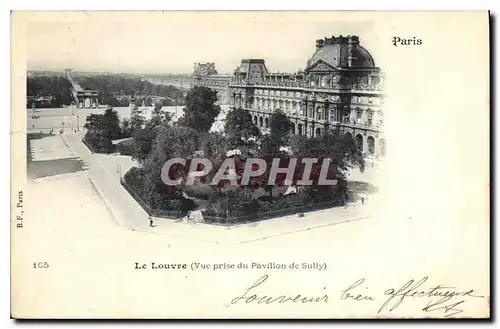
319,44
353,43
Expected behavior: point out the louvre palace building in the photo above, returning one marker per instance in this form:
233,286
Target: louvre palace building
340,88
205,74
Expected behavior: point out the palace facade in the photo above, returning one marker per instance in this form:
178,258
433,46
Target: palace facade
340,88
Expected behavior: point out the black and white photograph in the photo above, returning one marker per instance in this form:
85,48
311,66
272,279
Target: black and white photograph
244,165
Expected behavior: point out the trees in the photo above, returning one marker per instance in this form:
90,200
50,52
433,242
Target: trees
215,146
58,88
201,109
159,117
126,128
145,134
114,84
238,203
278,137
107,125
280,129
342,149
157,141
136,122
170,142
143,139
102,129
344,155
240,128
112,124
94,123
98,142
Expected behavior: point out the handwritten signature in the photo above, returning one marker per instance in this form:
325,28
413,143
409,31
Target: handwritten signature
441,297
446,298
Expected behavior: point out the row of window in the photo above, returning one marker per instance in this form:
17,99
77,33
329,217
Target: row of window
337,116
274,92
290,105
369,100
334,98
274,103
214,83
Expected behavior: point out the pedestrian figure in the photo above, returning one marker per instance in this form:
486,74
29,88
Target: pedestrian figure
362,200
150,221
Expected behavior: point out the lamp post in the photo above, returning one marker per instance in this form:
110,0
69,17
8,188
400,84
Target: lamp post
119,172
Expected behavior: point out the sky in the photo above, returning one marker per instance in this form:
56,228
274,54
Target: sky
171,42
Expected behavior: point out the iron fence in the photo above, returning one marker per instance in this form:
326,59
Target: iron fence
294,210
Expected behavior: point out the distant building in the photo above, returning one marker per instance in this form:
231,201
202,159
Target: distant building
340,88
205,74
83,98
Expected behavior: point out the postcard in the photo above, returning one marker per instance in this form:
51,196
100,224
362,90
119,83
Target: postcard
250,165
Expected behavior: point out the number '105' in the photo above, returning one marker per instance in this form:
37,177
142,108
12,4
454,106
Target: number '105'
40,265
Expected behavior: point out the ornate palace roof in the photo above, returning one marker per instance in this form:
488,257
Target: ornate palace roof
334,51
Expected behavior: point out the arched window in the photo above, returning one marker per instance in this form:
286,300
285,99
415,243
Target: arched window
299,129
261,122
267,122
359,142
318,132
292,129
371,144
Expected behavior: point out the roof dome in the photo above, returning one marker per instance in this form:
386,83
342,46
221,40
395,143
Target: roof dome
335,52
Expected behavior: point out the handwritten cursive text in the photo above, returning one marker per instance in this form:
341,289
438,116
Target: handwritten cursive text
441,297
250,297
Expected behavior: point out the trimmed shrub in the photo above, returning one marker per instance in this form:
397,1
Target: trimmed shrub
98,143
126,147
